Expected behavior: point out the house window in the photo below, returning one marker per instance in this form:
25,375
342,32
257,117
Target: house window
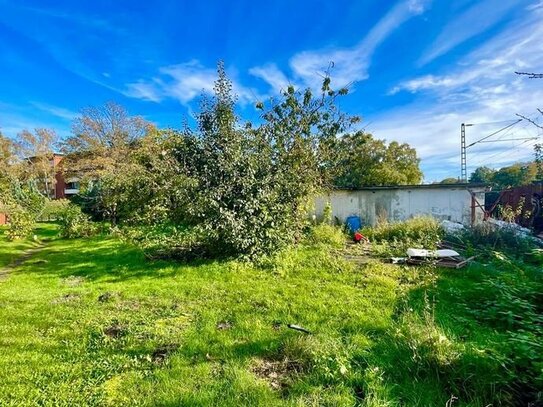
72,185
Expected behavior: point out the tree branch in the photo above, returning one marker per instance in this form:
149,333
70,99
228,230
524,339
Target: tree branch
531,75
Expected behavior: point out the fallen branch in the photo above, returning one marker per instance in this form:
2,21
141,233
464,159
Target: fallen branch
298,328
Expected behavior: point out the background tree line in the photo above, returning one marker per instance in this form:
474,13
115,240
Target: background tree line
506,177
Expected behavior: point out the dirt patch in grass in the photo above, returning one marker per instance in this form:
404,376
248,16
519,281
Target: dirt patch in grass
128,305
224,325
114,331
74,281
277,373
66,298
163,352
107,296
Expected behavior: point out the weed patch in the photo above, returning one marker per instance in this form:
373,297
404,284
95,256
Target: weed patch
393,239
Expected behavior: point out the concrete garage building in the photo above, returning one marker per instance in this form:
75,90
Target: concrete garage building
462,203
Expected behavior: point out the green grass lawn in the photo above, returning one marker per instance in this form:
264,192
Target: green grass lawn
91,322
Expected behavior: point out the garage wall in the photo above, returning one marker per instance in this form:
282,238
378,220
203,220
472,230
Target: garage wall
396,204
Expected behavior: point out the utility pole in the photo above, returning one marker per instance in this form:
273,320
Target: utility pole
463,157
463,147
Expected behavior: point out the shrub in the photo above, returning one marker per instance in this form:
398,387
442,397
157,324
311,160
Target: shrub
485,237
167,242
254,184
327,235
535,256
21,223
53,209
74,223
327,213
28,198
23,205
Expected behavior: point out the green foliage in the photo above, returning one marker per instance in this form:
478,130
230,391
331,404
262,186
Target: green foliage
245,188
101,155
506,297
482,175
21,222
253,185
450,181
53,209
362,160
28,197
484,238
7,158
327,213
515,175
506,177
161,185
149,186
535,256
74,223
395,238
169,242
328,235
512,214
23,204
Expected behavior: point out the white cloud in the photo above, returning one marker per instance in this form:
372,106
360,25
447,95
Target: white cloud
417,6
186,81
271,74
183,82
55,111
349,64
424,82
481,88
14,119
144,90
538,5
490,65
477,19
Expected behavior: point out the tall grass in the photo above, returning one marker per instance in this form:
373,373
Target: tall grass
394,238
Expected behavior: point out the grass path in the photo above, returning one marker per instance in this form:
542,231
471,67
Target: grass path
24,256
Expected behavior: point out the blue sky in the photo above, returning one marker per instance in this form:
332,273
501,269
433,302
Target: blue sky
416,68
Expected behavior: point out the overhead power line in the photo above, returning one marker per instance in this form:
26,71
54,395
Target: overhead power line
500,153
464,147
496,132
507,139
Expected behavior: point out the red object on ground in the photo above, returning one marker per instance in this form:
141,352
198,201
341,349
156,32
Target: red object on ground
359,237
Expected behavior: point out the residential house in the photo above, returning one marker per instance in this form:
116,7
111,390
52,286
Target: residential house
61,188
